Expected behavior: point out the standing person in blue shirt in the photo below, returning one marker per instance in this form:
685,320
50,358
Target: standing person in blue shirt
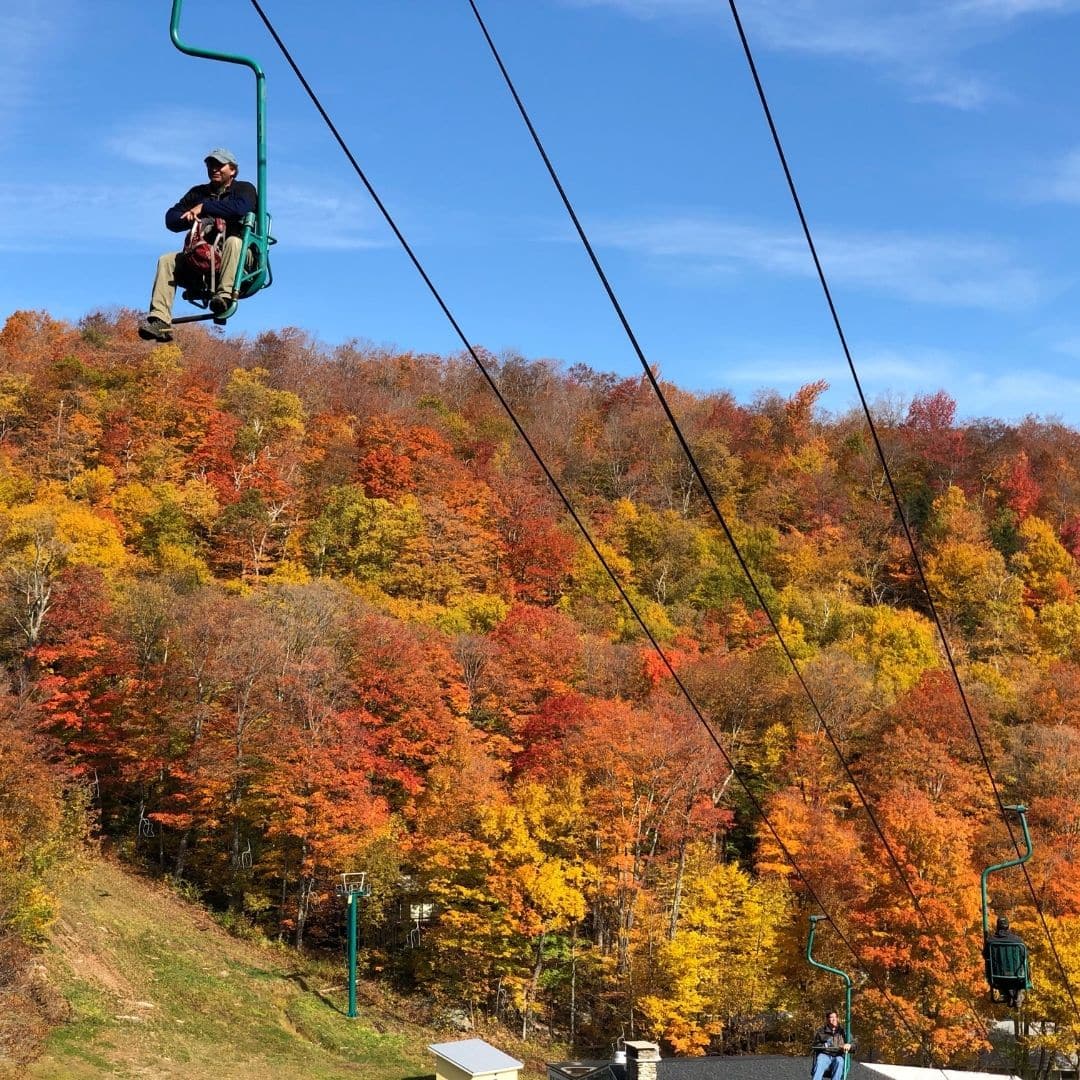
223,197
831,1046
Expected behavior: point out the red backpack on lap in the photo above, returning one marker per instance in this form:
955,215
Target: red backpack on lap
203,247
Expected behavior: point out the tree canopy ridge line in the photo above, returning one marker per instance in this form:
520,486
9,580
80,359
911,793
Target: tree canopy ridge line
276,610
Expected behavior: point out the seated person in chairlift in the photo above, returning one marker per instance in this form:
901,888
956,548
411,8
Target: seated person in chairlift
217,207
1003,932
830,1047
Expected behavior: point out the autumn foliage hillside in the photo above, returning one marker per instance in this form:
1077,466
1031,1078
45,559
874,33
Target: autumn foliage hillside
274,611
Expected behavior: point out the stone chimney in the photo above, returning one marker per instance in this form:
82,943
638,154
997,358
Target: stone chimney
641,1060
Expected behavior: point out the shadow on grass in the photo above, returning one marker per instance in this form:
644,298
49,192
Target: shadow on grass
301,980
426,1076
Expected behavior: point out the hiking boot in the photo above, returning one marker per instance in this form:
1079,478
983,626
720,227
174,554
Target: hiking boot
220,303
154,329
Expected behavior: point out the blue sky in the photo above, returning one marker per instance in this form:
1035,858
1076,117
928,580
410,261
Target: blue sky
936,144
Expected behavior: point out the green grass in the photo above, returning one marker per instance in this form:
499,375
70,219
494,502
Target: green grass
157,989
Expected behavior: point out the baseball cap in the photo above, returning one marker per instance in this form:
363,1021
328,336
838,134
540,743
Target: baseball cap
221,155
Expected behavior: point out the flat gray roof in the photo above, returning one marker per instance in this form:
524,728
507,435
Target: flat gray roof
475,1056
778,1067
912,1072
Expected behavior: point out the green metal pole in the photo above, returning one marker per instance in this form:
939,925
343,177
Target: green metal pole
260,103
1022,812
352,901
814,920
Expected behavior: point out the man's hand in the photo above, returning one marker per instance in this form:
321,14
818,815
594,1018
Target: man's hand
193,213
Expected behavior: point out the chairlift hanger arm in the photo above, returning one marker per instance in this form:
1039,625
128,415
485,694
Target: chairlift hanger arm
1022,813
260,101
814,920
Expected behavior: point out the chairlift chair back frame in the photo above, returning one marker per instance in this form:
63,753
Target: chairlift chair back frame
1008,972
253,268
814,920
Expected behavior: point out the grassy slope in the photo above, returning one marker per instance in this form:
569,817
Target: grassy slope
158,989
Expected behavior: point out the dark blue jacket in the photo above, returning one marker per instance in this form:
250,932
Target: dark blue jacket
830,1040
240,198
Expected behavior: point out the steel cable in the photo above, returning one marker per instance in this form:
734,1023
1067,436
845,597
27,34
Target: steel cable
935,616
692,461
571,510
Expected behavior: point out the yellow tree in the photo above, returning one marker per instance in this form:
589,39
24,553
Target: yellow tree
504,872
979,599
898,645
31,814
717,972
38,541
1058,1032
1046,568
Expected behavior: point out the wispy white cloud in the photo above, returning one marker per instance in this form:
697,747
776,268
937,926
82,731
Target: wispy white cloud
1068,346
886,374
953,89
1059,181
945,270
175,138
893,375
1011,9
916,42
307,217
76,217
657,9
324,220
28,38
1015,394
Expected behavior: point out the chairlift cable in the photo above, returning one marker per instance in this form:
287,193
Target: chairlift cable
692,460
909,536
689,454
578,521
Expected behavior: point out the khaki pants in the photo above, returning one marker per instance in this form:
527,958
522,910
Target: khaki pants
164,292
